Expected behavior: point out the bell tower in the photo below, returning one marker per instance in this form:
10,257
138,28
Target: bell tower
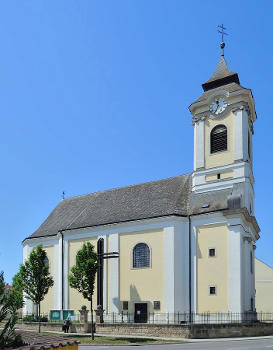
223,120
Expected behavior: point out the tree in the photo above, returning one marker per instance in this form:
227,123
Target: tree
82,276
35,278
8,338
16,293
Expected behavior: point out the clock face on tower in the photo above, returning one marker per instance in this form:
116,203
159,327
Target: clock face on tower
218,105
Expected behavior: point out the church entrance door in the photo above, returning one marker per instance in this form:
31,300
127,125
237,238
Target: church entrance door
141,313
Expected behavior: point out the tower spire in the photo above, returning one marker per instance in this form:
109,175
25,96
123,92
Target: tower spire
222,45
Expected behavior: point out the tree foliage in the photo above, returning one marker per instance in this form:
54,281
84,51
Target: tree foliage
82,276
16,293
34,277
8,313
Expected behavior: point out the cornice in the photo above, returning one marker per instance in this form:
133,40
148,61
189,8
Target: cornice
241,105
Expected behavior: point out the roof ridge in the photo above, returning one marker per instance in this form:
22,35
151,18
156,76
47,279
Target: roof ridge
117,188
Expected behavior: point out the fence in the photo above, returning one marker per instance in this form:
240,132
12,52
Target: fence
173,318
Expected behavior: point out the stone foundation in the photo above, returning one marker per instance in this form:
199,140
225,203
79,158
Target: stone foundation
197,331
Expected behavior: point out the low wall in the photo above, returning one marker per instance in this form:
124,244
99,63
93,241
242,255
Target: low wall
52,326
198,331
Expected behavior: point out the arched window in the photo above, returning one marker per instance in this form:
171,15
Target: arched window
218,139
141,255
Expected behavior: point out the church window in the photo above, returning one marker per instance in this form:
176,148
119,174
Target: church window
251,262
218,139
141,255
212,290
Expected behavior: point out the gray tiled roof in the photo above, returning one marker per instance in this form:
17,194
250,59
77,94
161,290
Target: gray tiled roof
232,87
166,197
222,71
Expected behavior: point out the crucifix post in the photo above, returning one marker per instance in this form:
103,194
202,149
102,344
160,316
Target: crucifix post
101,257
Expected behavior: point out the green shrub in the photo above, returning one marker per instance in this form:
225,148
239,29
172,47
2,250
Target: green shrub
32,318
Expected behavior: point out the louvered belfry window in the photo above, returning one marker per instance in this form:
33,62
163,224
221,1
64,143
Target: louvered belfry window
218,139
141,255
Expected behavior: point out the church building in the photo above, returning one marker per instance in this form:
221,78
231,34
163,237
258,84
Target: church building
184,244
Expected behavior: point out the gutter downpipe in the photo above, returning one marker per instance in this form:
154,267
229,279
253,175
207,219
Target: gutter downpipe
190,308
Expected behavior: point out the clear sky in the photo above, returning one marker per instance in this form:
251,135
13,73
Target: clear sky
94,94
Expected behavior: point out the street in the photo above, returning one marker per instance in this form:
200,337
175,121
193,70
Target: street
232,344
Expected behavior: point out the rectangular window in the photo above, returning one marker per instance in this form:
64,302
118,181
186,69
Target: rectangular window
251,262
156,305
211,252
125,305
212,290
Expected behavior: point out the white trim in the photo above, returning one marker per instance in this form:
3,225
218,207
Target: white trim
240,135
235,268
113,274
199,145
66,272
193,267
57,281
60,252
28,304
242,173
169,269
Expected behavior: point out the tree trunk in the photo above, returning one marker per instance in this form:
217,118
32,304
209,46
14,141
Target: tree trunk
92,323
39,323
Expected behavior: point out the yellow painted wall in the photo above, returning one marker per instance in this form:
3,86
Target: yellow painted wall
143,284
75,299
219,158
264,287
211,177
225,175
212,271
48,303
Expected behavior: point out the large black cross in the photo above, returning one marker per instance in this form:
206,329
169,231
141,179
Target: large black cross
101,257
222,31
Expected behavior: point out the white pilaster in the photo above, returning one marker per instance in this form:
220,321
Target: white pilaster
199,145
247,274
113,274
176,268
28,304
56,277
169,269
65,273
193,269
240,135
60,275
235,267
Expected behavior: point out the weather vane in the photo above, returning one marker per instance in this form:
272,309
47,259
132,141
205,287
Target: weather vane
222,32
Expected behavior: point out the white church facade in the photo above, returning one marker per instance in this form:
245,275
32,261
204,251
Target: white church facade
186,244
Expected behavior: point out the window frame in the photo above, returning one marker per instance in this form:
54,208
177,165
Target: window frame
215,287
210,139
132,257
212,256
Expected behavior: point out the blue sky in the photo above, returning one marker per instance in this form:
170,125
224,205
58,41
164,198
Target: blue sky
95,95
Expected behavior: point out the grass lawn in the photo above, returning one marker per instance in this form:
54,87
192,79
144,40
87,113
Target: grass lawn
113,340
